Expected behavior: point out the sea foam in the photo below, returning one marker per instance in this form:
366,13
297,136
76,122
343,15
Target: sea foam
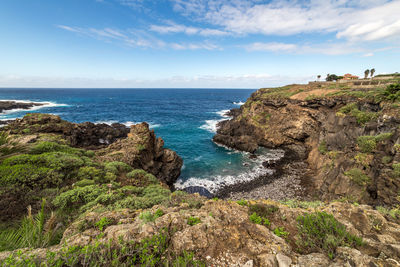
217,182
211,125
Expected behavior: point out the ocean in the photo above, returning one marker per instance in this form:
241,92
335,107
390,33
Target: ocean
185,118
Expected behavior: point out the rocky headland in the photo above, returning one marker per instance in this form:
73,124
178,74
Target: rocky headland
100,195
348,137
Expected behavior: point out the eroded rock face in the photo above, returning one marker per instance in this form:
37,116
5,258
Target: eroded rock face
313,132
141,149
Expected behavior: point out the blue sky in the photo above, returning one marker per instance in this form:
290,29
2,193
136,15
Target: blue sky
193,43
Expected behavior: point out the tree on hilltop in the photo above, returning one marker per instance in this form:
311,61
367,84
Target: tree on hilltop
372,72
332,77
366,73
319,77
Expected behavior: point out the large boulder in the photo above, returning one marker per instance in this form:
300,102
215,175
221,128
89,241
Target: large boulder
143,150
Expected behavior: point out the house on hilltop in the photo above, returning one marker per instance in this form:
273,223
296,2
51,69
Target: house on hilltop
349,76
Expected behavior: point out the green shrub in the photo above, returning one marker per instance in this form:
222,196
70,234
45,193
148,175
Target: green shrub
362,117
242,202
84,182
386,159
394,212
294,203
117,167
257,219
322,148
320,231
193,221
364,159
103,223
91,173
45,147
358,176
396,170
142,177
383,136
366,143
280,231
78,196
392,92
147,216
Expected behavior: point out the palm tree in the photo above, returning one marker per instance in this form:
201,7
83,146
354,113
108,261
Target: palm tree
372,72
366,73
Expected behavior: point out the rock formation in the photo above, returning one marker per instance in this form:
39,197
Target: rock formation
327,129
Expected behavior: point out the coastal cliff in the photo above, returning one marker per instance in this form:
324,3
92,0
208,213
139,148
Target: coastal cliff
348,136
100,195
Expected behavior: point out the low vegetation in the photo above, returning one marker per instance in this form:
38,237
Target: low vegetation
320,231
149,252
358,176
362,117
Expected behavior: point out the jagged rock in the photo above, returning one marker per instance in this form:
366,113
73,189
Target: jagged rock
141,149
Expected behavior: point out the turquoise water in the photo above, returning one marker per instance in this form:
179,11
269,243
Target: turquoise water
185,118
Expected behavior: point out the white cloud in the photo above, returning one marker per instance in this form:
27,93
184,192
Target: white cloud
366,20
177,28
324,48
137,38
368,55
203,81
274,47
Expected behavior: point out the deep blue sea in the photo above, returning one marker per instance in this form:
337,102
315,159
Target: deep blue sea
185,118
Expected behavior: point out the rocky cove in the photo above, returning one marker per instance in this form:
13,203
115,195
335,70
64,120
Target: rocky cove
332,200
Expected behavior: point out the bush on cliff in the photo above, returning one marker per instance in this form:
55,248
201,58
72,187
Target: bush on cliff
320,231
358,176
392,92
362,117
81,199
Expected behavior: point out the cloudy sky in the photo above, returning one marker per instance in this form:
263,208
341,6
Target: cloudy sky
193,43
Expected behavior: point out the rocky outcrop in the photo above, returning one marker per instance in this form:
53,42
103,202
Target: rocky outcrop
225,236
142,150
86,135
313,129
137,146
9,105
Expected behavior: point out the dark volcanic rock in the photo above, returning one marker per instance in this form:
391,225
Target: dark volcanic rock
9,105
87,134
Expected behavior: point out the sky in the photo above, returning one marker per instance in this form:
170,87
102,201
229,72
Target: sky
193,43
